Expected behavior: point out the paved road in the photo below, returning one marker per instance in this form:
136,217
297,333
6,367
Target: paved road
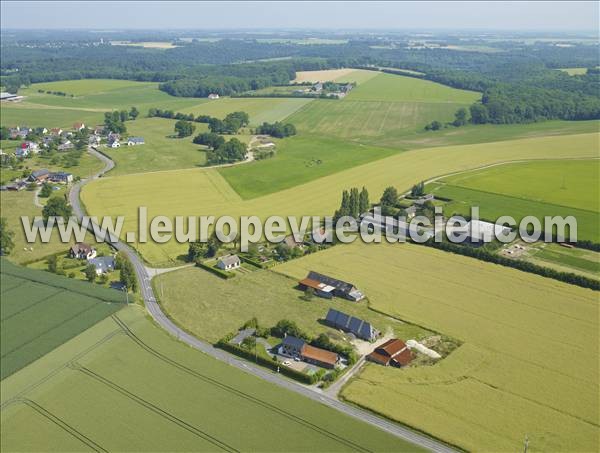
310,392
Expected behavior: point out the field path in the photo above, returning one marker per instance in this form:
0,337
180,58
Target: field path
155,310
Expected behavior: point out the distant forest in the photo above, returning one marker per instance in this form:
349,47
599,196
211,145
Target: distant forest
519,83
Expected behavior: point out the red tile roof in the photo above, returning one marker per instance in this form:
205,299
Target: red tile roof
320,355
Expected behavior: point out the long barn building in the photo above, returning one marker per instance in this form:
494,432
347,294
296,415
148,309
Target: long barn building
358,327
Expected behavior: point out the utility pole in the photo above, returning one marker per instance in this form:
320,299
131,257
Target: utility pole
126,294
526,443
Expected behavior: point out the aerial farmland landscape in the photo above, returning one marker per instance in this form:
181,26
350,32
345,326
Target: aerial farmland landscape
300,226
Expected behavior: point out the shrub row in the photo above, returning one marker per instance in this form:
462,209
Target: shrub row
218,272
486,255
259,264
241,352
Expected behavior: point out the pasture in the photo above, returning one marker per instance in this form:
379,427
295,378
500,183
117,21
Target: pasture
574,71
260,110
397,88
161,151
542,188
125,375
299,159
206,192
210,307
40,311
526,339
372,122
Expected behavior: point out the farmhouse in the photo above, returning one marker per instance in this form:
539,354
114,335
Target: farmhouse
213,96
56,131
61,177
82,251
9,97
296,347
357,327
103,264
391,353
324,283
27,148
228,262
65,146
78,126
39,175
132,141
292,242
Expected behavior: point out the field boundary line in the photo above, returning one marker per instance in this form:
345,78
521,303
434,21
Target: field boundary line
43,299
62,424
148,405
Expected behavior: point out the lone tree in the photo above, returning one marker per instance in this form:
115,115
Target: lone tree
460,117
418,189
6,237
389,197
127,274
90,273
57,207
363,201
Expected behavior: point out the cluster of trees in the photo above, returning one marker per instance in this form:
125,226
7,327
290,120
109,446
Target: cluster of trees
354,203
6,237
418,189
184,128
170,114
198,250
231,124
228,152
461,117
389,200
277,129
115,121
57,207
209,139
127,275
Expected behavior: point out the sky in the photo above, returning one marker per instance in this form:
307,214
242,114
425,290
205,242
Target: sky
518,15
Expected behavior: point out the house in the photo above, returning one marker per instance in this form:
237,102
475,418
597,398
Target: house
23,133
66,146
82,251
27,148
99,130
5,96
357,327
39,175
229,262
61,177
56,131
113,140
291,346
13,132
78,126
40,130
48,140
213,96
103,264
94,140
317,87
132,141
292,242
340,288
15,186
391,353
297,348
21,152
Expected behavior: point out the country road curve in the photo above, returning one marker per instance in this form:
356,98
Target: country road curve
162,320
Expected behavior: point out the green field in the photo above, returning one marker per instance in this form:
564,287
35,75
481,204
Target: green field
573,259
41,311
126,376
299,159
260,110
397,88
574,71
92,97
206,192
528,365
161,150
210,307
543,188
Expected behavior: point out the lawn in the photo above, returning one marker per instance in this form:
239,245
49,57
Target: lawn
210,307
299,159
526,339
124,375
206,192
161,150
542,188
397,88
260,110
40,311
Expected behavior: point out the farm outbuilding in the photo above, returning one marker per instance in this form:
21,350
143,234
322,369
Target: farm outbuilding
328,287
393,352
358,327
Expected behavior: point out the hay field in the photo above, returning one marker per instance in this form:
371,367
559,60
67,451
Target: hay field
335,75
205,192
126,376
528,365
